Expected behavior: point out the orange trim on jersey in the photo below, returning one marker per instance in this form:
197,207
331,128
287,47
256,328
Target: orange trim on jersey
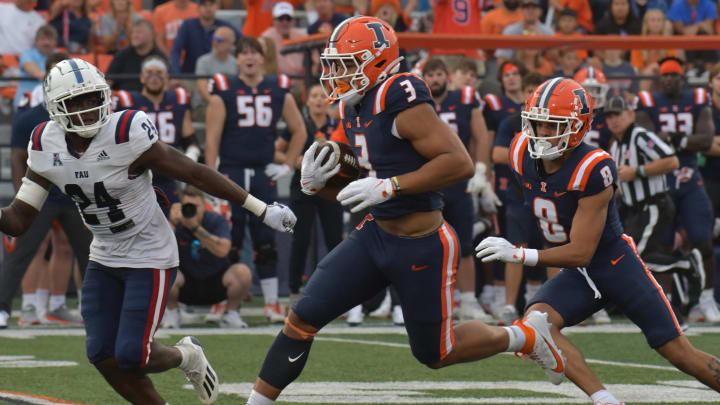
450,260
659,289
182,95
517,163
467,95
10,243
585,167
339,135
283,81
341,110
700,96
125,98
493,101
646,98
221,82
380,103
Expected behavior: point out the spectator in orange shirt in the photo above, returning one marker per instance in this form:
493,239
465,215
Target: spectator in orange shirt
567,24
646,60
532,59
495,20
259,16
582,9
450,19
167,19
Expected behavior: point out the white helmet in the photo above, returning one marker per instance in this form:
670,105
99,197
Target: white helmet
71,78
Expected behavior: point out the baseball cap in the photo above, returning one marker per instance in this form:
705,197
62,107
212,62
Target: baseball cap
616,104
567,12
531,3
283,8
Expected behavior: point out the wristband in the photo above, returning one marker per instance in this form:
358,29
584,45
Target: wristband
530,257
395,185
194,229
254,205
640,171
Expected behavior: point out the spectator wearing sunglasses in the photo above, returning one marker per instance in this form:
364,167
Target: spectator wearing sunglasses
195,37
282,29
219,60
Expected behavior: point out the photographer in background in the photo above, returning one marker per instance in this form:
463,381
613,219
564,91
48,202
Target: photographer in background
206,275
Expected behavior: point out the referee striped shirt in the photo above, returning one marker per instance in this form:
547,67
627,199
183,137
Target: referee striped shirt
639,147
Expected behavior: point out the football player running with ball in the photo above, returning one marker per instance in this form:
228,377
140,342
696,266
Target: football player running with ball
570,187
103,162
390,121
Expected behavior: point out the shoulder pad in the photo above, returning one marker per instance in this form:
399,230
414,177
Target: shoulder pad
283,82
701,96
36,136
123,99
493,101
400,92
518,146
581,179
219,82
182,96
646,98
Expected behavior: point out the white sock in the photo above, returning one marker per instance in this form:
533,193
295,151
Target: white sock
257,398
517,338
499,297
269,288
604,396
29,299
56,301
185,357
467,297
41,299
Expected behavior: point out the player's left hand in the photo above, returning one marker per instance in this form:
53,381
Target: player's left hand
276,171
494,248
279,217
478,182
365,193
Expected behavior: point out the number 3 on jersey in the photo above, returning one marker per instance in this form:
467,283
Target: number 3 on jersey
546,213
364,158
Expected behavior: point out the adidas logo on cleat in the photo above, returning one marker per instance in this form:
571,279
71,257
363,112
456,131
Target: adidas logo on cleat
103,156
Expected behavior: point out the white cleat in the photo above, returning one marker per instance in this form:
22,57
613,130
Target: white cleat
232,319
508,315
383,311
198,370
274,313
708,307
4,316
397,316
171,319
601,317
355,316
544,351
469,311
28,316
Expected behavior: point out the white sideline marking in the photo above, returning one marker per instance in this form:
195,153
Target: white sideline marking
27,361
411,392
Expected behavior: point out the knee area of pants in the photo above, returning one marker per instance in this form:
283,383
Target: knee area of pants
127,356
265,254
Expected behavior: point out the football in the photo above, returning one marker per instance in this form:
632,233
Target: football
349,166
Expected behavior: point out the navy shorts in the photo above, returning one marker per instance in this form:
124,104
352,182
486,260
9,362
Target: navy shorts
623,279
122,308
693,211
458,212
422,269
254,180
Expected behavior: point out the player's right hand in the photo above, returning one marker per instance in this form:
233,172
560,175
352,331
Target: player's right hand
314,174
279,217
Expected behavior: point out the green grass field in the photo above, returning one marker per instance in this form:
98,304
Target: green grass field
366,365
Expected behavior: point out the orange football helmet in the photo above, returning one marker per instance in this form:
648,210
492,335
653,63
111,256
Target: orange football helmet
563,102
361,52
595,83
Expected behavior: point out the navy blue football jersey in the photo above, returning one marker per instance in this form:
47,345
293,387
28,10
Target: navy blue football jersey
553,198
599,135
251,116
711,170
456,110
506,185
669,116
23,124
370,130
167,116
497,108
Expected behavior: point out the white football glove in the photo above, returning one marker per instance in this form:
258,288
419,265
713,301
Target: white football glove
478,182
366,193
276,171
314,175
494,248
279,217
489,201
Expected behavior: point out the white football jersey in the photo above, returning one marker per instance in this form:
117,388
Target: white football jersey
120,208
